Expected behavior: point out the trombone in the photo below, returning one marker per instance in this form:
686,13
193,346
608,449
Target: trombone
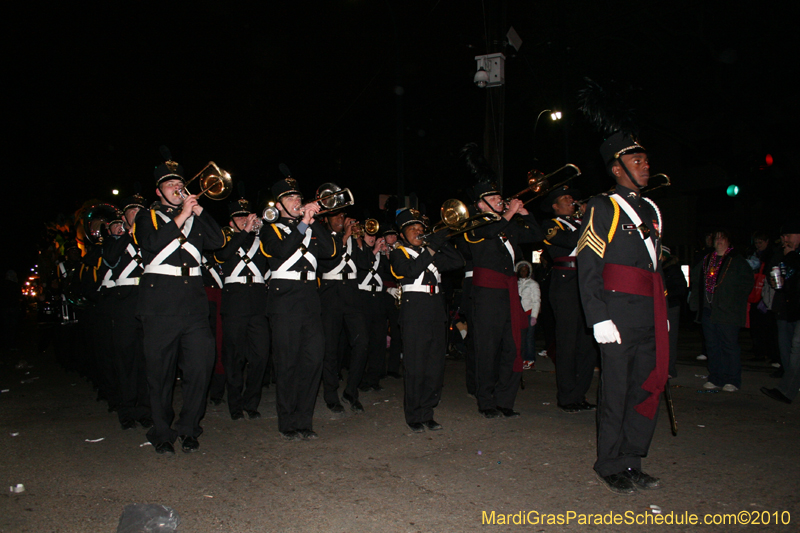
666,183
539,184
214,182
456,217
331,197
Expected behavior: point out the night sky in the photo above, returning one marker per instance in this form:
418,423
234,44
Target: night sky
95,89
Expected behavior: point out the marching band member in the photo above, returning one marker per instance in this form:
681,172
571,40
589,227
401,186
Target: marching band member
245,330
577,353
173,307
126,257
417,265
293,245
370,286
339,296
392,365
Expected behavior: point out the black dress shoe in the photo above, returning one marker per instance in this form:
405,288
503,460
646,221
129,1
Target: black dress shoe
238,415
215,401
775,394
395,375
416,427
572,408
128,424
508,413
588,406
355,405
432,425
308,434
165,448
189,444
490,413
618,483
146,422
252,414
640,479
335,408
290,435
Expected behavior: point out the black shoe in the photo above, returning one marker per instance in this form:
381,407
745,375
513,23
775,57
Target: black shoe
640,479
238,415
355,405
508,413
416,427
165,448
365,388
395,375
189,444
252,414
432,425
588,406
146,422
290,435
335,408
490,413
308,434
215,401
618,483
128,424
775,394
572,408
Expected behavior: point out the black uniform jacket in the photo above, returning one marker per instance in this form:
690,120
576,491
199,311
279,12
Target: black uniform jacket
609,236
173,295
115,254
346,289
488,250
559,238
242,299
290,296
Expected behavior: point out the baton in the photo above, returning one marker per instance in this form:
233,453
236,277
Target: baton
673,424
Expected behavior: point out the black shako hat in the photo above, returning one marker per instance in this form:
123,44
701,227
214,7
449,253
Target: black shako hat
169,169
135,200
484,188
285,187
619,144
390,229
555,194
406,217
239,208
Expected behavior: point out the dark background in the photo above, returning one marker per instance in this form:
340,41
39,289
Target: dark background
96,88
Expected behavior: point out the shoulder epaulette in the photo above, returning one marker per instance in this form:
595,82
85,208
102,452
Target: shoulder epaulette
614,221
261,247
277,231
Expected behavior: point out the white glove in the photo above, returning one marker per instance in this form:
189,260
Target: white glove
606,332
667,325
392,291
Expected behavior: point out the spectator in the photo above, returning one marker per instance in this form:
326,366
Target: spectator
531,298
722,282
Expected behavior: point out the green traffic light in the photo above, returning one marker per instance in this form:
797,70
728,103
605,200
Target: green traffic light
733,190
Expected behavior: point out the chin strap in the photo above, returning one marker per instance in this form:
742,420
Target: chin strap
628,172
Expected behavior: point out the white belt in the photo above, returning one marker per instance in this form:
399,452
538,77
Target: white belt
107,283
328,275
127,281
169,270
468,274
251,280
296,275
370,288
429,289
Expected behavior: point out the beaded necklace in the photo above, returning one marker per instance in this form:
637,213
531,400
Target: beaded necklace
712,277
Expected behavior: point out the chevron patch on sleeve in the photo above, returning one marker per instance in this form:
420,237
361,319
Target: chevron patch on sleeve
591,239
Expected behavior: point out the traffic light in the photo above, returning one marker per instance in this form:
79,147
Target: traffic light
732,190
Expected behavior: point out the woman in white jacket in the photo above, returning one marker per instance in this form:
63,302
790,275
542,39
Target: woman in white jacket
531,299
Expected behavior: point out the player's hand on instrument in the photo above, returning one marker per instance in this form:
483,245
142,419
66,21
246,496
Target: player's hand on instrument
189,205
606,332
309,212
252,219
513,208
380,246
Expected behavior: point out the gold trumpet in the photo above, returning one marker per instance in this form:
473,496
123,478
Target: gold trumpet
539,183
370,227
214,182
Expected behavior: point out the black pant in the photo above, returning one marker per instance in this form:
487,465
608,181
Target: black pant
171,342
424,330
246,343
577,353
337,314
376,320
396,345
298,344
624,435
129,360
495,351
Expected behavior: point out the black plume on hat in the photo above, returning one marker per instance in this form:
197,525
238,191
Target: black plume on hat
481,172
169,169
608,112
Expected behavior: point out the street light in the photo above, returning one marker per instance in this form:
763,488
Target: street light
554,115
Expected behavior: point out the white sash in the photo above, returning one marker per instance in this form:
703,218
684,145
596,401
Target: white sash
284,272
574,251
156,266
372,274
648,241
347,260
418,286
246,260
